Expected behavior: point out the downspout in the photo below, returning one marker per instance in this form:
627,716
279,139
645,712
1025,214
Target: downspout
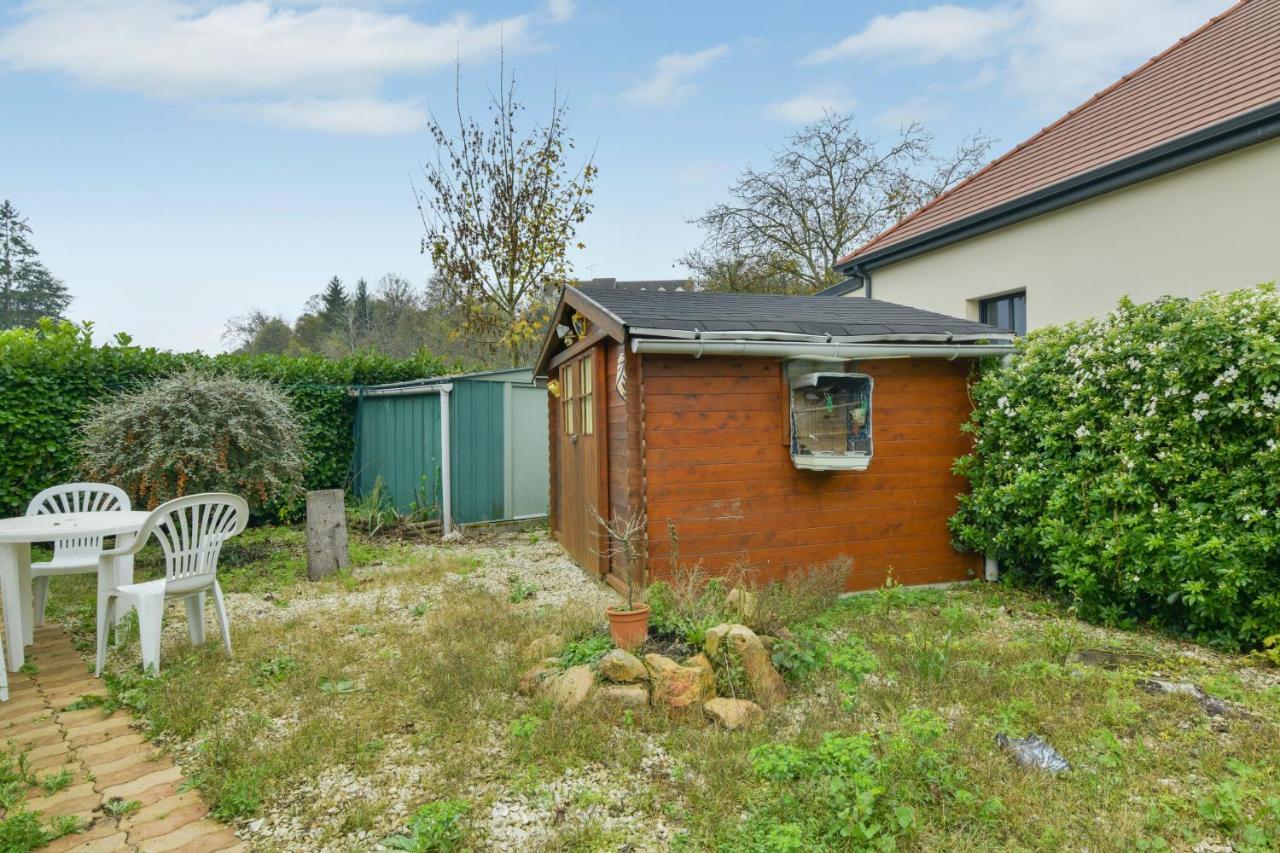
863,273
446,481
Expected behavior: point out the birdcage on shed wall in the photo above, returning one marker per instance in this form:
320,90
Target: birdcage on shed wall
831,421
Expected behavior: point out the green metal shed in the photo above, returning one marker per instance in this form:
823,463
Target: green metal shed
484,460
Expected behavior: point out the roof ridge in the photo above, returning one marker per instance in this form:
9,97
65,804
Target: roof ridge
870,244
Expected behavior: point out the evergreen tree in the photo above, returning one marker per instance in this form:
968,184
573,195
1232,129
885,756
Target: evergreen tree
333,303
362,308
28,291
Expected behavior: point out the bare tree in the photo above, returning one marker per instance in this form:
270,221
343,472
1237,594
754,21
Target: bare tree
500,208
258,332
828,191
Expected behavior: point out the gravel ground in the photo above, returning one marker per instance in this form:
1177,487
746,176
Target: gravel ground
309,817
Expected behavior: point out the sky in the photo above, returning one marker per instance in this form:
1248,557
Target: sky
184,161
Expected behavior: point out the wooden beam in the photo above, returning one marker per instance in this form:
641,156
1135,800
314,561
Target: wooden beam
577,349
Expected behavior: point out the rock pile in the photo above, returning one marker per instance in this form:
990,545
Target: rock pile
623,680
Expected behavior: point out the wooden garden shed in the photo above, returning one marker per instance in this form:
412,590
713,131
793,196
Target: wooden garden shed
777,431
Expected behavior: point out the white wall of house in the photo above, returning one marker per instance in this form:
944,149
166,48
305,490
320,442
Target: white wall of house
1211,226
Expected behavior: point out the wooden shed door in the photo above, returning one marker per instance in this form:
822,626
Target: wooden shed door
582,460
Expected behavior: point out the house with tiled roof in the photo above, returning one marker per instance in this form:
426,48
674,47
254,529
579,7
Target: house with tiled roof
1165,183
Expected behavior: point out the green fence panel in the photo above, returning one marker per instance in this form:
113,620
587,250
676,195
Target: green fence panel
398,439
477,451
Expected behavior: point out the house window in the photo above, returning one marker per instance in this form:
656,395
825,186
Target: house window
587,395
566,398
831,421
1008,312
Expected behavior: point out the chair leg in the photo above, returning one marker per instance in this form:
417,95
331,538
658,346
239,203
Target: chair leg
106,604
150,617
195,617
41,587
124,575
221,606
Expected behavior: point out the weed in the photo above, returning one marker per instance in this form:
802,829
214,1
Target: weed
338,685
435,828
1060,640
802,595
274,669
55,782
801,654
853,662
21,831
521,590
525,726
119,807
29,668
584,651
928,657
91,700
1270,651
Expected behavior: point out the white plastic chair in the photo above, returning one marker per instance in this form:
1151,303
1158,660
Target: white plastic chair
78,555
191,531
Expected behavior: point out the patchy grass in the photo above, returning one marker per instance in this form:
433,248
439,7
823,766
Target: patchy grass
356,718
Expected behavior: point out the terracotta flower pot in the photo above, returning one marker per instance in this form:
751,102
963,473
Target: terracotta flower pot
629,628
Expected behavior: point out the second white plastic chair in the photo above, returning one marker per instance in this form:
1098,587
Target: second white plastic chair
191,531
79,555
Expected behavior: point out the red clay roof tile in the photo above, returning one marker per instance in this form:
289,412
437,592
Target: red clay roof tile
1227,67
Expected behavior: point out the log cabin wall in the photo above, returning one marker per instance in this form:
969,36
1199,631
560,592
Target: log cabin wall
626,438
717,463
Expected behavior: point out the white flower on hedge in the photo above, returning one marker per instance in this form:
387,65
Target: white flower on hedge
1200,397
1198,414
1228,375
1134,364
1082,431
1271,399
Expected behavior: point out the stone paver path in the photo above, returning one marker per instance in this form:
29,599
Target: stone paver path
109,760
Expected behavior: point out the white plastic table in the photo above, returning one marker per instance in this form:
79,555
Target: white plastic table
16,536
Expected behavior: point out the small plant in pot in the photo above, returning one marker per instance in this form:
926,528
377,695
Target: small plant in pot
629,623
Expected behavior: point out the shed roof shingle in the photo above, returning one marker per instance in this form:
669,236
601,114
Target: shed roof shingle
1228,67
682,314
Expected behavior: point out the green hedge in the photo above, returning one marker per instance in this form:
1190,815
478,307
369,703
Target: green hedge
49,377
1133,464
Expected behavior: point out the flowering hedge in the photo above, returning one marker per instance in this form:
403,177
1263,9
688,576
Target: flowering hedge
1132,463
51,376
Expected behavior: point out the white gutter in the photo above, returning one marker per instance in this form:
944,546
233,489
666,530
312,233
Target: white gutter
446,484
834,351
402,390
797,337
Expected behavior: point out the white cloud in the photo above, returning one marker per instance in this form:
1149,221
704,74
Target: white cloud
920,37
354,116
1051,53
669,84
810,106
561,10
334,57
1070,49
921,110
